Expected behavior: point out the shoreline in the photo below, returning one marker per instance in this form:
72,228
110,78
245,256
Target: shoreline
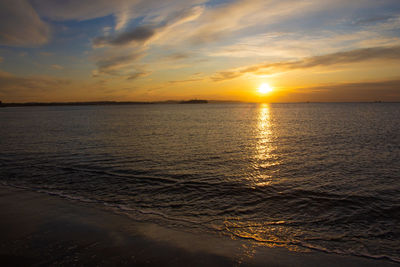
171,102
41,229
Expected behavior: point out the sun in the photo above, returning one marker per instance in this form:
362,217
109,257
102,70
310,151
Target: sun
265,88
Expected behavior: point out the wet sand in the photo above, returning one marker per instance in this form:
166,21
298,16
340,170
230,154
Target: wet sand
37,229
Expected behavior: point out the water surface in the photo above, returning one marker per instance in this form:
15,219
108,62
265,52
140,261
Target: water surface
301,176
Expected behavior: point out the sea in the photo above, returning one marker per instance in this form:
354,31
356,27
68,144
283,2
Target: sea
303,176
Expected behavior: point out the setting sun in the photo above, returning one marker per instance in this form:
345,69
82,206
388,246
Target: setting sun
265,88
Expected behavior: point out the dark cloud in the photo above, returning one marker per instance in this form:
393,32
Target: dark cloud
177,56
143,33
111,64
138,74
20,25
11,85
353,56
139,34
122,10
371,20
76,9
388,90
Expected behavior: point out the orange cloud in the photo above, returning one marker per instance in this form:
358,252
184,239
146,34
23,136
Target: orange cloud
347,57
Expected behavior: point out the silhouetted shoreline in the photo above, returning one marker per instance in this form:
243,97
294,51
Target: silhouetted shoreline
195,101
72,103
94,103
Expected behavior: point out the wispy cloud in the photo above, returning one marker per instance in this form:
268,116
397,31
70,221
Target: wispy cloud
123,10
112,63
177,56
386,90
46,54
16,87
347,57
57,67
20,25
137,40
143,33
139,35
373,19
186,81
138,74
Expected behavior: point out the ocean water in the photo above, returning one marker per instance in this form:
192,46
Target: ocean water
301,176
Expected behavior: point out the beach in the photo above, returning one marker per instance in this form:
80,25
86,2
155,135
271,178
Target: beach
38,229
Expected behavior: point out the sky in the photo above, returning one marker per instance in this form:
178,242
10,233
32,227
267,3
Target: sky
155,50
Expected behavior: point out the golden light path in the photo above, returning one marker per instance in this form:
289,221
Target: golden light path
262,233
264,145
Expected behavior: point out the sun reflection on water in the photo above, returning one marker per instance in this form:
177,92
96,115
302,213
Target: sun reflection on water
264,146
264,133
265,234
262,232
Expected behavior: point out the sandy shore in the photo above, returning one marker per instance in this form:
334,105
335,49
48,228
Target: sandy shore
39,229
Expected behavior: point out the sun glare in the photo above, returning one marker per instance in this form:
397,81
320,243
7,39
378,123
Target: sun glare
265,88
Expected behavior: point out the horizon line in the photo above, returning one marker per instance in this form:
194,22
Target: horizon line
112,102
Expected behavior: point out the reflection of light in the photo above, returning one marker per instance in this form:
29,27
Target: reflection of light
264,131
263,231
263,146
263,156
268,233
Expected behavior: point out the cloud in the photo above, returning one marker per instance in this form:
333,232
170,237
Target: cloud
139,35
227,20
77,9
347,57
138,74
183,16
20,25
17,87
135,42
123,10
57,67
112,63
177,56
186,81
387,90
373,19
46,54
8,80
143,33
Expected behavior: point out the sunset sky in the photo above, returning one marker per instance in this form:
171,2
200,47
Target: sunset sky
151,50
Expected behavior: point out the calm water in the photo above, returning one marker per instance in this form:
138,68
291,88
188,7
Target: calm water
301,176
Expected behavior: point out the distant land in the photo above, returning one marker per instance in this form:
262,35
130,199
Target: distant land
94,103
192,101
